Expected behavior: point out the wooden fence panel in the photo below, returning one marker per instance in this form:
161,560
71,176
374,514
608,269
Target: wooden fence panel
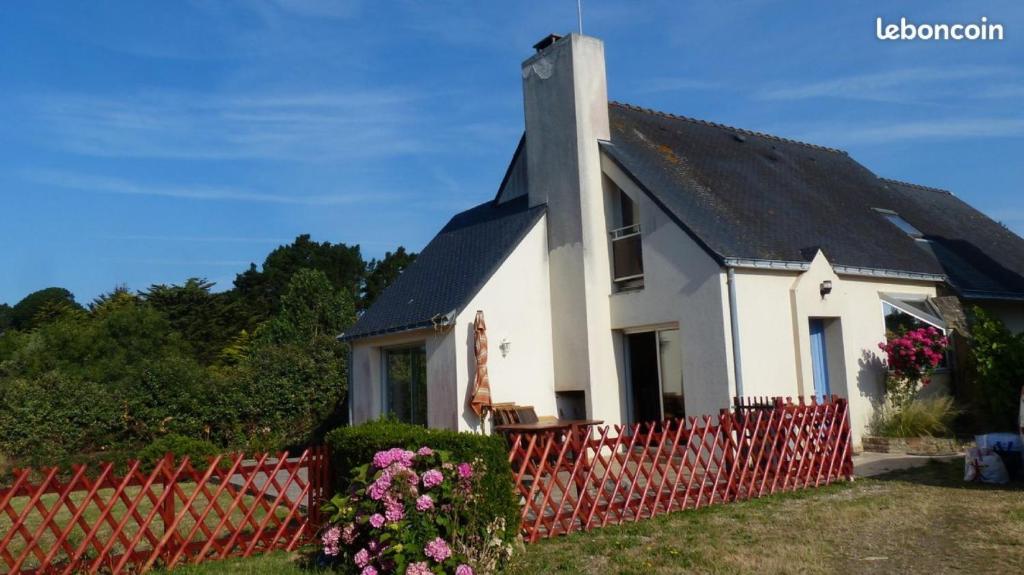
99,520
592,477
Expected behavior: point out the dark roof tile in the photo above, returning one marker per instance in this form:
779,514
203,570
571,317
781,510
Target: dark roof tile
450,269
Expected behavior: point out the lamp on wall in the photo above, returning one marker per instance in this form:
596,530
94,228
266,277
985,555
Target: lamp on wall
826,288
505,346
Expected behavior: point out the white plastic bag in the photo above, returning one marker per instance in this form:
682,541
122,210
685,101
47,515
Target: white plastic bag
984,465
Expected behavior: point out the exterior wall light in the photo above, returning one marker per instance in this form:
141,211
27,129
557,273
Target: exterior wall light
505,346
826,288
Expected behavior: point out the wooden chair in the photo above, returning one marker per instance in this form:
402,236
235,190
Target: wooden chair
510,413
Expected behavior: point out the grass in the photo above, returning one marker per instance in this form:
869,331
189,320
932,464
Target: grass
92,513
924,520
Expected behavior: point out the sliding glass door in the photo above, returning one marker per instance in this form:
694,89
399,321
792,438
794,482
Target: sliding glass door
405,383
655,362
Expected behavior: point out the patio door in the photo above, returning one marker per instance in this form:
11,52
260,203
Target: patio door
405,383
819,358
655,371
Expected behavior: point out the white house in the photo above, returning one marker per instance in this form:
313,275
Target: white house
636,265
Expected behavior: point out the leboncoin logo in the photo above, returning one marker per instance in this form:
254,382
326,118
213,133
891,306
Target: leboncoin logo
906,30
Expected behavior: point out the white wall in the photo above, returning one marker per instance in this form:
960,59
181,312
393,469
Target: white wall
683,287
367,376
517,308
566,108
774,310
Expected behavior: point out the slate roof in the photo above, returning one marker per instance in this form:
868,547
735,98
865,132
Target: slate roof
750,196
450,269
746,197
981,258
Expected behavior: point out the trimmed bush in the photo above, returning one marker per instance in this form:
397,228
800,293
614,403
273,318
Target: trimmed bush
352,447
197,450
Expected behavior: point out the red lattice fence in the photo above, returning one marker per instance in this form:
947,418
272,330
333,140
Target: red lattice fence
175,513
592,477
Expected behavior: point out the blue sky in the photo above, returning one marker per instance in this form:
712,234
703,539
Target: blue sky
145,142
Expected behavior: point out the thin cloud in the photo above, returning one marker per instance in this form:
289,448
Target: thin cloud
661,85
332,9
103,184
295,127
941,129
195,239
896,85
177,262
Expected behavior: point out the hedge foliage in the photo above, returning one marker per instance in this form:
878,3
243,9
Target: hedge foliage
108,381
997,355
197,450
354,446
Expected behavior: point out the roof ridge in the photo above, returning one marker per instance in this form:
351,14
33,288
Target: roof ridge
916,186
726,127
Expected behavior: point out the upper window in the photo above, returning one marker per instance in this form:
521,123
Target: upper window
627,248
405,383
898,221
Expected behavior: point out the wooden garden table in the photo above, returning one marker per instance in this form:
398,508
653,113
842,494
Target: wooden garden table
577,433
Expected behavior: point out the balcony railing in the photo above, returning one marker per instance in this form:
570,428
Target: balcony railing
627,257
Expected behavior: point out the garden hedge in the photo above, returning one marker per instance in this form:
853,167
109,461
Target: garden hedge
353,446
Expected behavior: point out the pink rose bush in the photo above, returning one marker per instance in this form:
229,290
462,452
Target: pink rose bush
911,358
404,513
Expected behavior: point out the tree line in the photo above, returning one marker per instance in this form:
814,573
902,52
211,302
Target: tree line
257,366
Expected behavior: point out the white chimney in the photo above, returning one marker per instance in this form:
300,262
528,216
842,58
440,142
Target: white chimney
565,97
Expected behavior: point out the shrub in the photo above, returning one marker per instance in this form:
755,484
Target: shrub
44,419
180,446
352,447
912,357
412,512
921,417
998,358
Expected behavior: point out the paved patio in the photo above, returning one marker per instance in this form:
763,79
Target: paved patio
869,464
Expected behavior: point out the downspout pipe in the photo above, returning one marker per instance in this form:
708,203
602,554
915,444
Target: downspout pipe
734,321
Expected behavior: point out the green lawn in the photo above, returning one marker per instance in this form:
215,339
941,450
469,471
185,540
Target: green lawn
920,521
92,513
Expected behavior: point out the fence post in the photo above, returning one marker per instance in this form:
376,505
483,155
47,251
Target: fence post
729,447
319,470
167,510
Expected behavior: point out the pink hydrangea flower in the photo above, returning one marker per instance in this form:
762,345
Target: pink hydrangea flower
432,478
361,558
465,470
368,570
464,570
418,568
424,503
379,487
330,541
437,550
377,520
388,457
425,451
394,510
348,534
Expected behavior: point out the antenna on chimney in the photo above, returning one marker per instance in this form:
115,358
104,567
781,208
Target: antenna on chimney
579,14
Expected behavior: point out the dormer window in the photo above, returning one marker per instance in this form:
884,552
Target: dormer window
627,248
898,221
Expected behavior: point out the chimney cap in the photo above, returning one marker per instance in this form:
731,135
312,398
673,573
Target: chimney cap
547,41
